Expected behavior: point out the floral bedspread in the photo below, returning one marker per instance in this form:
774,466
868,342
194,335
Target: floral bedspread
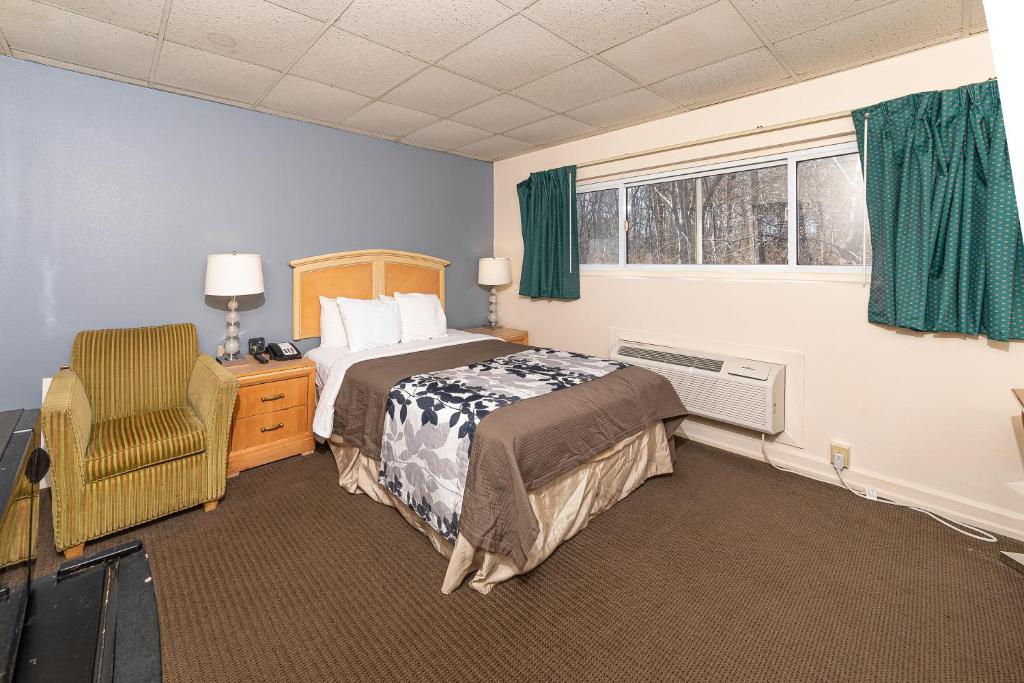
432,418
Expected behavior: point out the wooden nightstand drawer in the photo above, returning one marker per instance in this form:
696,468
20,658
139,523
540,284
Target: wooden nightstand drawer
258,430
273,416
271,396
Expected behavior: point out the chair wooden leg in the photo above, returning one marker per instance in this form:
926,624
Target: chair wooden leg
210,505
74,551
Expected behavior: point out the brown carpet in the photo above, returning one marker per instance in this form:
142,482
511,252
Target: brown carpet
725,570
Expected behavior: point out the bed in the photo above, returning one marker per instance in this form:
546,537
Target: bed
496,452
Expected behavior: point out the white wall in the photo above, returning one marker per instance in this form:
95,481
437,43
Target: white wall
930,417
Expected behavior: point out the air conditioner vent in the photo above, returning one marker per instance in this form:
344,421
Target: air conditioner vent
709,364
740,391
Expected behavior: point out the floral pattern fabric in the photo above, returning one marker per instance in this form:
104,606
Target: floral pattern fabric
432,418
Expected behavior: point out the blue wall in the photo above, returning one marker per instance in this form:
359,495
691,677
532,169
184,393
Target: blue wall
112,195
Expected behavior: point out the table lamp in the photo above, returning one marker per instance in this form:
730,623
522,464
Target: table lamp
233,275
494,272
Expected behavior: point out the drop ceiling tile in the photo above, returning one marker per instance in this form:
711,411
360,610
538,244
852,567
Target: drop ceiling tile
389,119
749,72
349,62
576,85
977,19
78,68
552,130
138,15
187,68
620,110
249,30
516,4
426,29
68,37
511,54
703,37
439,92
497,147
502,113
595,25
321,10
873,34
294,95
447,135
778,19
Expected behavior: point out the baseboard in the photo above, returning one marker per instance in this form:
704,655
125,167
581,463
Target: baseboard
998,520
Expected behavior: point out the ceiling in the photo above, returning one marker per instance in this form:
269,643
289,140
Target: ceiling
487,79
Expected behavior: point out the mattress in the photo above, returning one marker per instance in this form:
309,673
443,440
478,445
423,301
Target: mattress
563,507
464,430
333,362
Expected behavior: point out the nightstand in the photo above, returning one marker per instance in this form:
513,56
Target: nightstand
273,416
509,334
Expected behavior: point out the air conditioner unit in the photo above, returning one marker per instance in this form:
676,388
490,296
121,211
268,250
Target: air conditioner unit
739,391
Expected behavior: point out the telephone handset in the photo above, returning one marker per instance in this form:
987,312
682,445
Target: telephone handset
283,351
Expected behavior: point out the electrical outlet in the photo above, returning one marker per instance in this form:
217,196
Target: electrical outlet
220,349
840,455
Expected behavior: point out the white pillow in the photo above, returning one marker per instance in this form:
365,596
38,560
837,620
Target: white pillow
332,330
422,316
370,323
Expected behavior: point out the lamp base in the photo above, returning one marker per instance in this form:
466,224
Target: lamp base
229,362
492,317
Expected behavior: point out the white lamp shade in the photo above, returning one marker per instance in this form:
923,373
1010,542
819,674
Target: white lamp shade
233,274
494,271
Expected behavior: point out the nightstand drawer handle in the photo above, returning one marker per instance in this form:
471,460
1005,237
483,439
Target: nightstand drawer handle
279,425
275,397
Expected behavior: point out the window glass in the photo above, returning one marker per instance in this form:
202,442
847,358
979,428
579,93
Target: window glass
662,222
830,211
744,217
598,216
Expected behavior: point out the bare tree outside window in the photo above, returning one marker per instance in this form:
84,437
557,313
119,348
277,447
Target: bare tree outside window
598,216
744,217
662,222
830,213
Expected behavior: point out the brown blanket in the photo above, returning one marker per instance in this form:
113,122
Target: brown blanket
517,448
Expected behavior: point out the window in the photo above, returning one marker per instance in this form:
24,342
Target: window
792,211
830,211
745,217
598,216
662,220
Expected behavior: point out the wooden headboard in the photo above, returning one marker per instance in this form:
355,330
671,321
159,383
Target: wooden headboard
364,274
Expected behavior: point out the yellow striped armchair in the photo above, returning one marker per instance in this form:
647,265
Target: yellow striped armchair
18,522
137,428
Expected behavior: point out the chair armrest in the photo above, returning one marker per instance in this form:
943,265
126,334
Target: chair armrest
66,419
211,393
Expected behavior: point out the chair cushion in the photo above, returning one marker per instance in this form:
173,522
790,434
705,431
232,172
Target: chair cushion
130,443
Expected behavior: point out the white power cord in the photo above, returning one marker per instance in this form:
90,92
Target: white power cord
961,527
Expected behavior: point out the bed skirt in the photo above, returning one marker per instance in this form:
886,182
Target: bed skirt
563,507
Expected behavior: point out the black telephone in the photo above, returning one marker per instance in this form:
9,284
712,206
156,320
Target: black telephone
258,349
283,351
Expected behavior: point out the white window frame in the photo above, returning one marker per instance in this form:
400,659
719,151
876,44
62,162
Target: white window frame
788,159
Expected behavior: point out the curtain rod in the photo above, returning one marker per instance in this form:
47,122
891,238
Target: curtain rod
824,118
718,138
710,157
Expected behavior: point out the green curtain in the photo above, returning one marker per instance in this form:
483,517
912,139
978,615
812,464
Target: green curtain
551,245
947,254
